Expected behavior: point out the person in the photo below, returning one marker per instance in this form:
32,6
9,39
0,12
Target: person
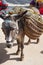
41,8
3,5
3,8
38,4
34,3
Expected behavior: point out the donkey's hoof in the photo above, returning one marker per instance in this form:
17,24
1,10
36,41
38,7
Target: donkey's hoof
17,53
21,59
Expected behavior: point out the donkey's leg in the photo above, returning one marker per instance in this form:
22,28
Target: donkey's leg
22,55
20,40
22,46
28,41
18,50
37,41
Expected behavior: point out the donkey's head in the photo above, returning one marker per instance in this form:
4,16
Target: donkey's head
12,25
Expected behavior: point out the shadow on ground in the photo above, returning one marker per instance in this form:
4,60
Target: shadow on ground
3,53
4,56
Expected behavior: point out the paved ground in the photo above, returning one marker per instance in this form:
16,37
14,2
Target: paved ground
33,53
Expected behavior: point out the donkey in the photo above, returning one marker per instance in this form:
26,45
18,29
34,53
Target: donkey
24,28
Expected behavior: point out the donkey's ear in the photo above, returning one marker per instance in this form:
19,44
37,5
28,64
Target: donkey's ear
21,15
18,16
